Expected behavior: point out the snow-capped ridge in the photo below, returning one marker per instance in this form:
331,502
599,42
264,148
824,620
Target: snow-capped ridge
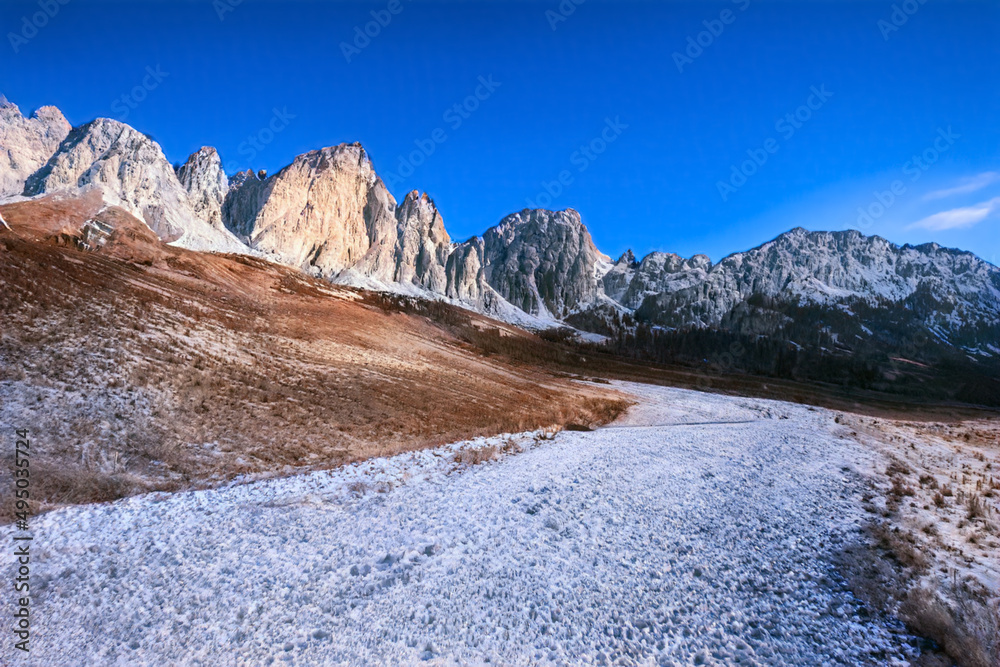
328,213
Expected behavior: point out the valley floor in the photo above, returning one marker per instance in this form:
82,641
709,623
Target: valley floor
700,529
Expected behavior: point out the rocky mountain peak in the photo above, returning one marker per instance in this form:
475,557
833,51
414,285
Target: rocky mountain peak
627,258
131,171
330,214
326,212
423,244
700,261
26,144
240,177
206,184
544,262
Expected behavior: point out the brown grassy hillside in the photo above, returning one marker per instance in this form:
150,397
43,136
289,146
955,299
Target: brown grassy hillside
140,366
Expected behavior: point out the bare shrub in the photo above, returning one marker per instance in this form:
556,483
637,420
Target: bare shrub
510,446
605,411
897,467
974,506
968,630
901,546
900,489
59,484
476,455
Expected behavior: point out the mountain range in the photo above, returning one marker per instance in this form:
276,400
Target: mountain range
330,215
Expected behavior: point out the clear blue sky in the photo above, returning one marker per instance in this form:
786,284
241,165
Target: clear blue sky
655,186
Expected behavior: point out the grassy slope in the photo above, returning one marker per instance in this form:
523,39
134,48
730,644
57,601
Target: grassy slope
140,366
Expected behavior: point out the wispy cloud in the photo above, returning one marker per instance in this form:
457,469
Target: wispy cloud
977,182
958,218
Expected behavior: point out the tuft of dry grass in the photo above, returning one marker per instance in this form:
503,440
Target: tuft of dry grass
900,546
475,455
897,467
887,574
900,489
975,507
967,629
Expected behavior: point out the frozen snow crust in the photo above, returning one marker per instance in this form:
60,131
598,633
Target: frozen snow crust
697,531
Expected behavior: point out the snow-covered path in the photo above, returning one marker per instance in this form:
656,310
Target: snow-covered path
649,542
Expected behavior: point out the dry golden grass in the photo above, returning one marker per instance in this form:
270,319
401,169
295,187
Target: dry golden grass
965,624
929,560
142,366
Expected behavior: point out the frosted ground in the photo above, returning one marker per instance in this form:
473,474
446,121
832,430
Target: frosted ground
699,530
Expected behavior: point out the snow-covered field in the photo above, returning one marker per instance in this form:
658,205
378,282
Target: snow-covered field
699,530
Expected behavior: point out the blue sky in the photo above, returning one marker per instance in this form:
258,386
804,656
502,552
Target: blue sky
687,127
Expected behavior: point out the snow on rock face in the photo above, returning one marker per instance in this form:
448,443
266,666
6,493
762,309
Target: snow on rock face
619,276
662,272
206,184
544,262
132,172
699,531
827,267
27,143
328,213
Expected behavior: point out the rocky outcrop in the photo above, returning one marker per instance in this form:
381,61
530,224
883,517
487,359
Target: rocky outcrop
206,184
831,268
544,262
660,272
464,271
131,171
619,277
325,213
422,244
26,144
243,201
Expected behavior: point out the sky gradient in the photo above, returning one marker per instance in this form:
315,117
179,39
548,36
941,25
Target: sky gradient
686,127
